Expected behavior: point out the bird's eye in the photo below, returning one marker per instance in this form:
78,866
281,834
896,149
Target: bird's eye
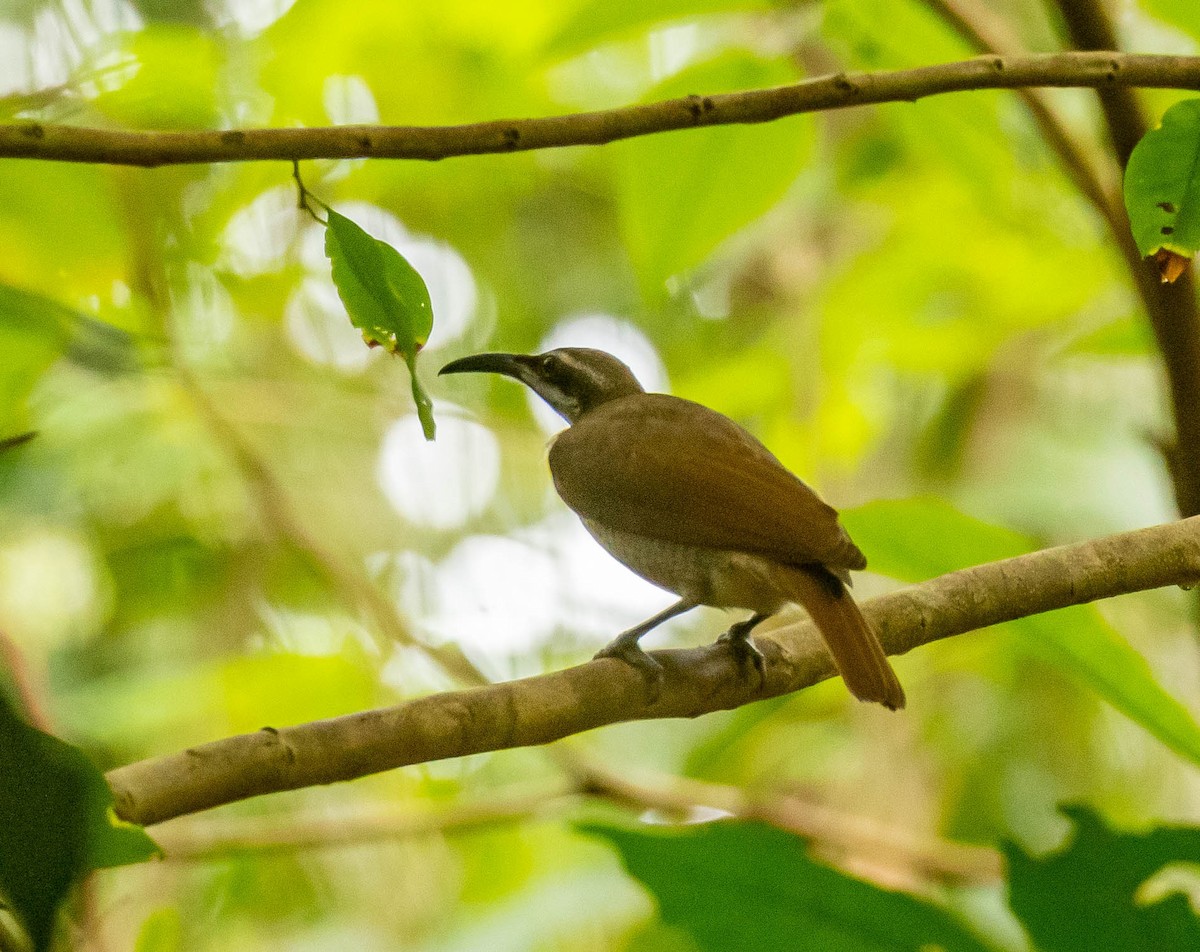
552,365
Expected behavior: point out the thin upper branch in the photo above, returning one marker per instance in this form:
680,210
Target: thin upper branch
541,709
34,140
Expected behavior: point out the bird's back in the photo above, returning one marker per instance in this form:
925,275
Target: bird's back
670,469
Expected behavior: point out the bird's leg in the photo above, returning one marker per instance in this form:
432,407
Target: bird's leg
738,639
626,648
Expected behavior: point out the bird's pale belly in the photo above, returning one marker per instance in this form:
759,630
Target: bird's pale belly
713,577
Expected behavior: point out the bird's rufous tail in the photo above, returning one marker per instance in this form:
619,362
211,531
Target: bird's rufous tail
855,647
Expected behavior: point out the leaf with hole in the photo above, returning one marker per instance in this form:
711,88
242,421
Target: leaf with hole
1162,184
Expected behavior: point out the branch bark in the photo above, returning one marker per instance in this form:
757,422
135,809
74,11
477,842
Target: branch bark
545,708
1101,70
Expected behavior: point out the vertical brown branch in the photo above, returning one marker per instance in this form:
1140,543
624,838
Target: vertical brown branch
1171,307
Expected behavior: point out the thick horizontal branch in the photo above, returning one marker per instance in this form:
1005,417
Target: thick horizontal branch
541,709
1101,70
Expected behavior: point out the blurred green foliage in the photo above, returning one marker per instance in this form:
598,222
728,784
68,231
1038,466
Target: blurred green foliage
906,302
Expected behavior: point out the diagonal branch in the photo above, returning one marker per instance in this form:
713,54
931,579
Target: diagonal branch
1101,70
541,709
1172,308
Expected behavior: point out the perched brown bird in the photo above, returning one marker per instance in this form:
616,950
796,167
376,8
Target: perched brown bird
692,502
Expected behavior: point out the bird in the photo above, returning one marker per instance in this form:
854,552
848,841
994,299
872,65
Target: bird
694,503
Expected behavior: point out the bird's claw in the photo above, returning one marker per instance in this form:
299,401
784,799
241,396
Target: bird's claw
745,651
632,654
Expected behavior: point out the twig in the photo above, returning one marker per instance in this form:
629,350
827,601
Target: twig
303,195
189,840
541,709
12,442
33,140
833,834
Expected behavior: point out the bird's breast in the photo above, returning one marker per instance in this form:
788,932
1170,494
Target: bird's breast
715,577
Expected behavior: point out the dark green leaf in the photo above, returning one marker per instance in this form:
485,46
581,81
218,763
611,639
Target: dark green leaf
1162,184
1088,896
734,886
916,539
56,823
385,298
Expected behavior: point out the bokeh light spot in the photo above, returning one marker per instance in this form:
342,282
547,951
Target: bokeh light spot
444,483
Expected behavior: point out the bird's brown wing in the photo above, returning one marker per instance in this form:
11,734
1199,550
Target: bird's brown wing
674,470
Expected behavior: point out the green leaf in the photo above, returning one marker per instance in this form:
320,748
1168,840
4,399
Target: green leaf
56,823
385,298
1080,642
1087,895
683,193
917,539
1162,184
746,886
384,295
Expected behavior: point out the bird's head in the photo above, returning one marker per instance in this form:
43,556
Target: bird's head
573,380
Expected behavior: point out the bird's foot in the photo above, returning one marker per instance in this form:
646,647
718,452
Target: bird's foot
629,651
744,650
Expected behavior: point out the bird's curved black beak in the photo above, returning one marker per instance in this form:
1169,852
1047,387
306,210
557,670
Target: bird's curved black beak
520,366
